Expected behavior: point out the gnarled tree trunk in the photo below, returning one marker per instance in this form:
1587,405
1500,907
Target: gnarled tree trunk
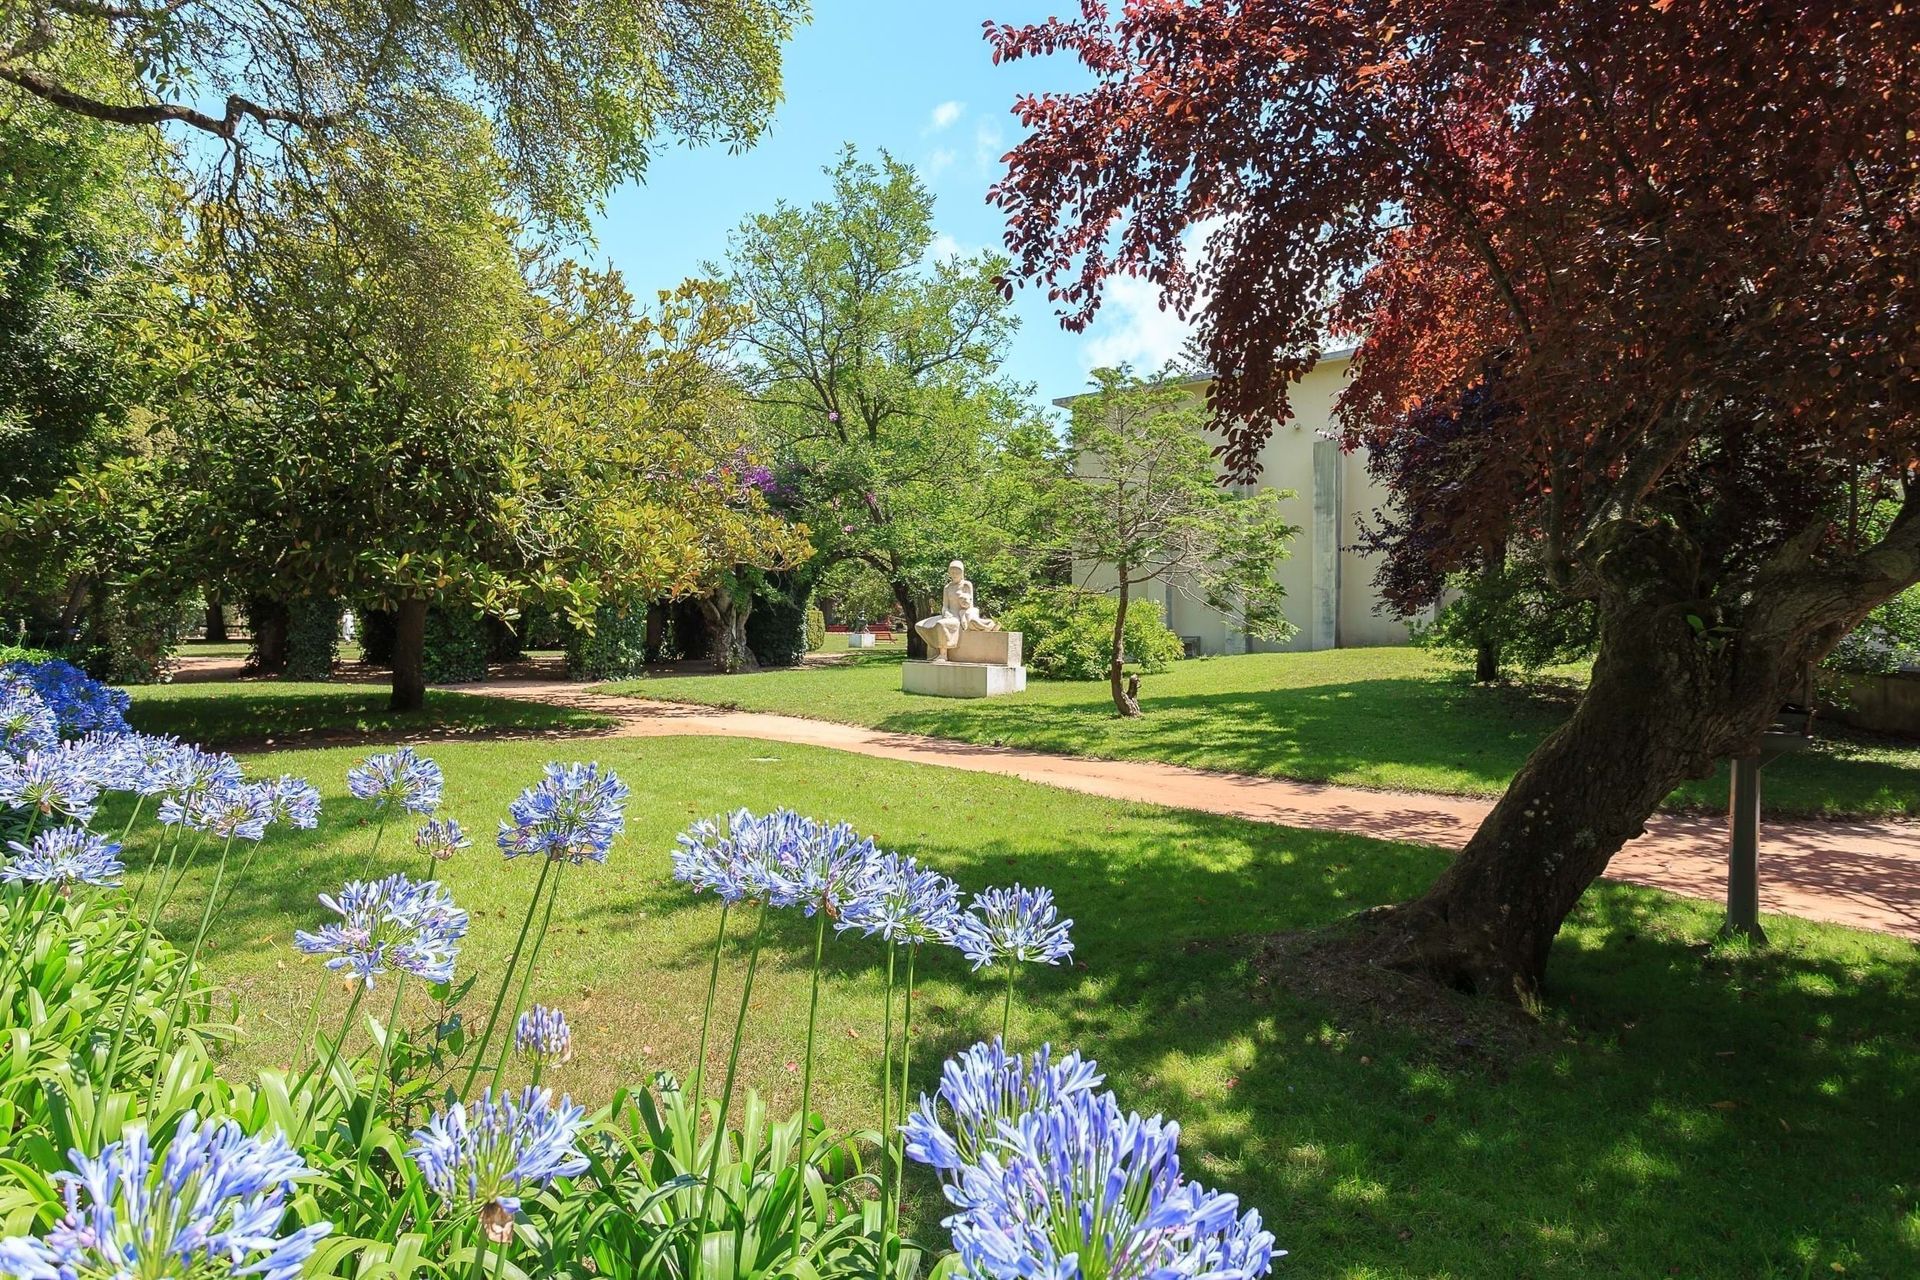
1123,700
910,610
725,610
409,656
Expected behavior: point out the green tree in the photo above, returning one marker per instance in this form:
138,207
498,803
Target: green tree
1144,505
574,95
874,364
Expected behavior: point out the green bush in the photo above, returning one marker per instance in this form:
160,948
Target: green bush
777,627
313,638
131,634
1068,634
816,630
456,647
615,648
376,637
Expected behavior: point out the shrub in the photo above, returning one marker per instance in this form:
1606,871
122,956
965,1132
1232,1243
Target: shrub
376,637
615,648
313,638
131,634
1068,634
777,627
816,629
456,646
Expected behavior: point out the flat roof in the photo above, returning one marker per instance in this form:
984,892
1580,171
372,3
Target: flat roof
1331,355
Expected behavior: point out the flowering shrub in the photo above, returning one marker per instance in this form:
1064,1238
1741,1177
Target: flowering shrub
170,1171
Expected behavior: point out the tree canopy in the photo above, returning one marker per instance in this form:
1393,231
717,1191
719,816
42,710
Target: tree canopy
1678,243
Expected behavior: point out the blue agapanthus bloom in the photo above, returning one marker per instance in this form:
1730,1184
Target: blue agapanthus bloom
294,801
440,839
904,903
1014,925
828,869
108,759
1085,1191
233,813
573,813
80,704
400,778
54,781
397,923
63,857
214,1205
743,855
188,776
26,721
984,1088
484,1154
542,1034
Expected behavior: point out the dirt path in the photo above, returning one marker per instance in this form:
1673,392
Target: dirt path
1865,874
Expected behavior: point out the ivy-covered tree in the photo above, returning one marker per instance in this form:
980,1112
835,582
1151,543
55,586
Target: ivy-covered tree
1678,236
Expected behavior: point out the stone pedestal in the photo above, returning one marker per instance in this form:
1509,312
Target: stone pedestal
985,664
859,639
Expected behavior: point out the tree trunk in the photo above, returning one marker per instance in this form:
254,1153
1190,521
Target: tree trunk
1659,710
409,656
725,611
267,619
216,620
1124,703
1486,660
910,610
656,641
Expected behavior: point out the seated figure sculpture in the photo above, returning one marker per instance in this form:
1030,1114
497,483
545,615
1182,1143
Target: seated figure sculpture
957,614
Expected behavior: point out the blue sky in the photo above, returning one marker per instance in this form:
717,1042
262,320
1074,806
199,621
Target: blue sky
915,77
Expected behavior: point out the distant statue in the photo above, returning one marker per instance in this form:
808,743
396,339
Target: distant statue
957,614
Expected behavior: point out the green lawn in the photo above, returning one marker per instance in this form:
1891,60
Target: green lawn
1688,1111
1396,719
280,712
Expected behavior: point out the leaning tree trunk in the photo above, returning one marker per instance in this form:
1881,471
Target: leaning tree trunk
1123,700
910,610
409,656
1659,710
267,620
725,610
216,620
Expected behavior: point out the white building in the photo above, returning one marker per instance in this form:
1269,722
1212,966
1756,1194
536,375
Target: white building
1330,596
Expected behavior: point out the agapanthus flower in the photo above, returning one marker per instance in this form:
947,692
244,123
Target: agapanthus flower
109,760
190,775
396,923
233,813
984,1088
904,903
213,1206
63,857
828,869
484,1154
541,1034
573,813
741,855
80,704
1085,1191
51,781
294,801
153,756
401,778
26,721
1013,925
440,839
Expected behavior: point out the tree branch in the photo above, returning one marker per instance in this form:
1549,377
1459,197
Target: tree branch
239,109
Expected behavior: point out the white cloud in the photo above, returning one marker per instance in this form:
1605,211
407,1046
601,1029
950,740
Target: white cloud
938,161
1133,328
945,116
989,144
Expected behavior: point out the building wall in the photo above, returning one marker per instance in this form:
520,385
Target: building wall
1330,596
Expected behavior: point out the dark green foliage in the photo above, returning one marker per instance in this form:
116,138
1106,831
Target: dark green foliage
777,627
1068,634
617,645
816,629
376,637
1529,623
313,638
505,641
130,634
456,646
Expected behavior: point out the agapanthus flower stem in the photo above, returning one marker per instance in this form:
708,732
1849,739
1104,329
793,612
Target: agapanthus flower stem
806,1077
906,1066
333,1056
726,1092
1006,1014
366,870
886,1098
162,895
379,1079
133,817
177,996
706,1016
313,1019
506,981
526,979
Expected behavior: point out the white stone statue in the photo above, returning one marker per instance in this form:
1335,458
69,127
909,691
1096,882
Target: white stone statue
957,614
